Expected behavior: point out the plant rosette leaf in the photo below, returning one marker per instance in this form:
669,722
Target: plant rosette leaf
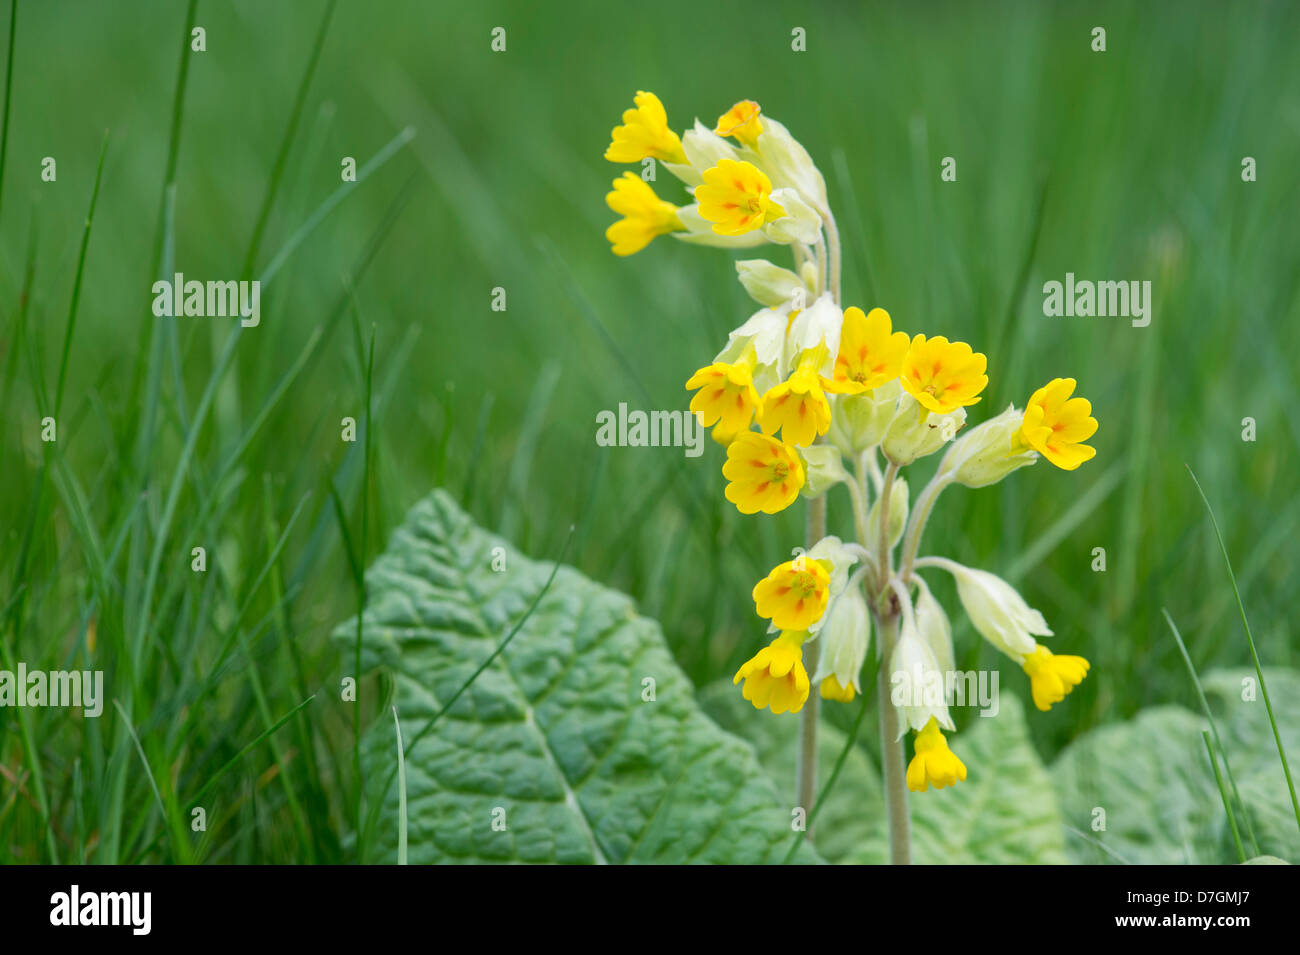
580,743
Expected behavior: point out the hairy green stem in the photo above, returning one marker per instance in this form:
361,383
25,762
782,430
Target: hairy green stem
916,524
885,556
891,750
833,243
806,780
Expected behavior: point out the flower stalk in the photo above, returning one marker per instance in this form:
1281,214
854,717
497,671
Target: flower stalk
805,386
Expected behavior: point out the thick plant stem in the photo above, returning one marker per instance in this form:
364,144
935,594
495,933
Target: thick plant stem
806,780
891,749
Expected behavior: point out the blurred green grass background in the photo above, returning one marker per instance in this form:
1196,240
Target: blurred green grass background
1117,165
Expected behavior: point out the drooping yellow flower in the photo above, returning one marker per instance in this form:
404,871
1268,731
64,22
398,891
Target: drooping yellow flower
1056,425
764,474
742,122
794,595
797,407
871,353
775,676
736,197
942,375
933,762
1051,677
645,133
644,214
726,395
831,690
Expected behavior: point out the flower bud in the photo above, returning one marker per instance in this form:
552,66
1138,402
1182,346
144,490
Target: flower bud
817,326
823,469
769,284
788,163
844,641
917,684
801,223
989,452
703,148
858,422
933,626
997,611
916,432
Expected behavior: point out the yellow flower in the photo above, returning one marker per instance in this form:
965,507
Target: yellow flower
797,407
1051,677
942,375
831,690
794,595
933,761
742,122
775,676
736,197
645,133
645,215
726,394
871,353
765,475
1056,425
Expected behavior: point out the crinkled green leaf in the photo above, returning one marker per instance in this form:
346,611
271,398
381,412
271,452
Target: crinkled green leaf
1153,778
553,743
1238,708
1005,811
847,820
1142,791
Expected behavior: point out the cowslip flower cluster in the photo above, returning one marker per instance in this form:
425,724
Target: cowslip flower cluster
806,395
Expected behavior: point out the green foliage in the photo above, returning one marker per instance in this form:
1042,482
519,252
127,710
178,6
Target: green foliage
1153,778
172,434
554,741
1005,811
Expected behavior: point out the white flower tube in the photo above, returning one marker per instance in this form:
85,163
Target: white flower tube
996,610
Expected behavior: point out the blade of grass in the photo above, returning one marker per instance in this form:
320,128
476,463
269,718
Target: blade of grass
295,114
390,149
1214,728
1250,640
1223,794
216,777
9,88
76,282
401,793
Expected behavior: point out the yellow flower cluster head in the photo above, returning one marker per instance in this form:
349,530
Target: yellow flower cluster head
806,395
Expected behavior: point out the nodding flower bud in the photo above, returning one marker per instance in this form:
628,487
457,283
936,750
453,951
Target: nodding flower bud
933,626
997,611
704,149
917,683
770,284
916,432
988,453
789,164
801,223
844,642
859,422
823,469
